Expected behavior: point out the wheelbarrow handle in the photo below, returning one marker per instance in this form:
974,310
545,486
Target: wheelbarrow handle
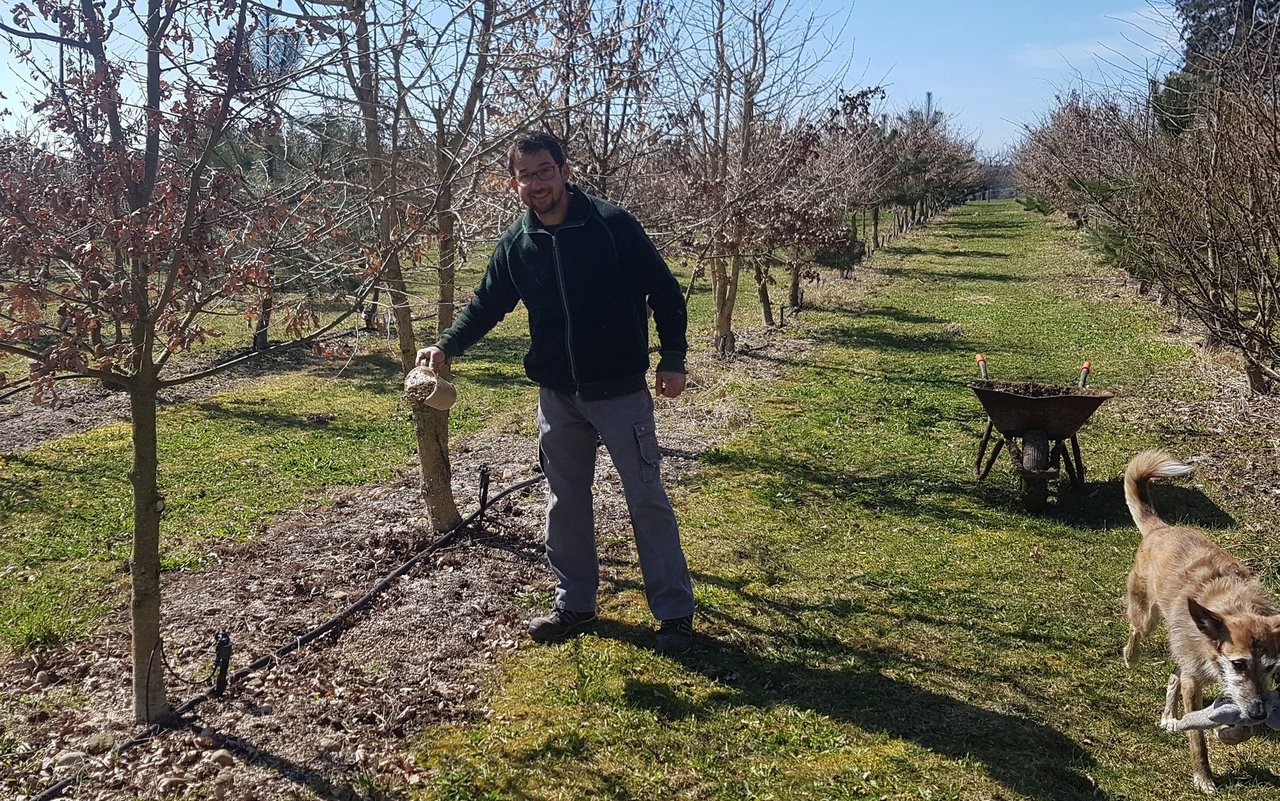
1084,373
982,365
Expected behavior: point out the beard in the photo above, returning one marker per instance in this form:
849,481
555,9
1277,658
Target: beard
544,201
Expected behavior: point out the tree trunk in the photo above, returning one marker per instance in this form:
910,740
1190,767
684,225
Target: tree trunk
794,298
726,292
875,228
260,340
1259,382
762,292
371,310
430,426
149,701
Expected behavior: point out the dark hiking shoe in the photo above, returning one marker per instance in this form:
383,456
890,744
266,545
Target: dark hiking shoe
675,636
561,624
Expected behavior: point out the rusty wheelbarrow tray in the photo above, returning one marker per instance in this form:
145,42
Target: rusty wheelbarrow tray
1045,417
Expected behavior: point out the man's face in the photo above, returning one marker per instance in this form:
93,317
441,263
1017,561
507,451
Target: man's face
539,182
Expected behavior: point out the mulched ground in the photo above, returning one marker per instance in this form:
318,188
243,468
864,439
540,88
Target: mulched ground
329,720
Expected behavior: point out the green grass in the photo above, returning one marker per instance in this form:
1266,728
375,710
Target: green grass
884,627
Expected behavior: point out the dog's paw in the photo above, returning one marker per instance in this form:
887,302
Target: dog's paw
1205,784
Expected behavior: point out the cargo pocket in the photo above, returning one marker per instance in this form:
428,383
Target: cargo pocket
647,442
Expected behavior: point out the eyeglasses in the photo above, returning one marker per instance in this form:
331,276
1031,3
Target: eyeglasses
545,174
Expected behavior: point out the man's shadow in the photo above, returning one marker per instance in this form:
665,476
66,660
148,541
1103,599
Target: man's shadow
1025,756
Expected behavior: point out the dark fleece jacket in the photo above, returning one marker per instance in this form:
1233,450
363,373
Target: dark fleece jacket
588,286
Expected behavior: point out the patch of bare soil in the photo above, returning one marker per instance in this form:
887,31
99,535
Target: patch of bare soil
329,720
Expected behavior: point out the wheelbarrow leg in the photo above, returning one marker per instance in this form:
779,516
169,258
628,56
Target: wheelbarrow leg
1060,448
982,449
1080,469
981,470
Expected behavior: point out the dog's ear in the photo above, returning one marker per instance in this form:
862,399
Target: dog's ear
1208,621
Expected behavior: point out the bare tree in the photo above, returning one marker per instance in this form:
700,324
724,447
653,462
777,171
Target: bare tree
750,66
1189,207
601,91
124,244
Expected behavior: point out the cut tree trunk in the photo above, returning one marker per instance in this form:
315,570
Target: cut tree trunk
430,426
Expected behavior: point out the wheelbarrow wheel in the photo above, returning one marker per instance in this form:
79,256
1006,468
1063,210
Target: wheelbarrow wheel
1031,480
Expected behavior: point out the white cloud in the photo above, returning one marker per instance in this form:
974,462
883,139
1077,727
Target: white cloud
1135,39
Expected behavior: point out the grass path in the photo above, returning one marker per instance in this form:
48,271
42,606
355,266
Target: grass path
885,628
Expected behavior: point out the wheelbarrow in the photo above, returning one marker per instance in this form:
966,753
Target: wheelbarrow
1037,423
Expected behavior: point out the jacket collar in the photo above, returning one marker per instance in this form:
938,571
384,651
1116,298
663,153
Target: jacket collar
579,210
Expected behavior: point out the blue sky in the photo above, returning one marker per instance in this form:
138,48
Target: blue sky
993,65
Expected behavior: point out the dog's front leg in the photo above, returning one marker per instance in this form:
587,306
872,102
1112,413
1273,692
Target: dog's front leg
1169,716
1192,699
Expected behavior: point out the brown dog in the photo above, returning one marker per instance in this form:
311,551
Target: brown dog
1222,626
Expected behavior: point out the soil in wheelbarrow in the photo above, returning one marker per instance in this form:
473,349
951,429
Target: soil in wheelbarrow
1030,389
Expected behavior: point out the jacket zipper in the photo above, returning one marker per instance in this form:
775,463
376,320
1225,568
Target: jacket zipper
564,295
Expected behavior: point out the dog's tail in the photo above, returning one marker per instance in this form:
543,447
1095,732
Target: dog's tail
1137,479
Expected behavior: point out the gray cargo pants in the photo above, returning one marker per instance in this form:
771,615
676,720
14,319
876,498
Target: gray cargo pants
567,428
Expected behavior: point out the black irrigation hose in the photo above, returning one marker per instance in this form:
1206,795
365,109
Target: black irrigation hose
444,539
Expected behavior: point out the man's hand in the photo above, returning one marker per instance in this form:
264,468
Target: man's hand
432,357
668,384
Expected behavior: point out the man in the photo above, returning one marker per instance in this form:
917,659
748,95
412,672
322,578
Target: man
588,275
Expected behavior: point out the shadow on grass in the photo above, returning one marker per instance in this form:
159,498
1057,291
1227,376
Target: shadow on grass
376,373
924,273
1023,755
968,621
43,465
976,234
247,411
1101,504
914,250
1250,776
1001,226
785,481
901,316
880,340
504,356
304,776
